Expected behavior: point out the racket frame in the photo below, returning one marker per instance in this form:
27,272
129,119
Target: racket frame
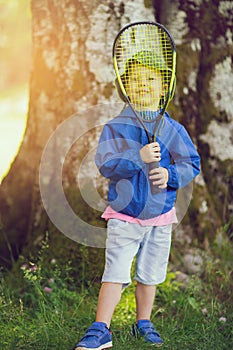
172,83
169,93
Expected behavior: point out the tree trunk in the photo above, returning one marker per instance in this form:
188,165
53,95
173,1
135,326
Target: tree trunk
72,71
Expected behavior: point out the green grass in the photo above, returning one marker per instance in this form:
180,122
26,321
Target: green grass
198,317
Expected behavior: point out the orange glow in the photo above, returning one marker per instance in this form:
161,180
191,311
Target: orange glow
13,111
15,53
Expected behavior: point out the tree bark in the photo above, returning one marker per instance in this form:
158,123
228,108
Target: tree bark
72,71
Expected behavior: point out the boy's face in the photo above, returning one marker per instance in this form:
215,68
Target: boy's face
144,87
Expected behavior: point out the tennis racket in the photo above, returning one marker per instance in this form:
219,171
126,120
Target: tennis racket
143,50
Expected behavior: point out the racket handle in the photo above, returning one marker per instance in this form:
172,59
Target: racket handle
154,189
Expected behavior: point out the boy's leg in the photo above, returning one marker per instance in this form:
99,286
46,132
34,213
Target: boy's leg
121,246
109,297
151,267
145,296
98,335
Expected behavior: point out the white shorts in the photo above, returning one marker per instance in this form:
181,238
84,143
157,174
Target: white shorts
151,246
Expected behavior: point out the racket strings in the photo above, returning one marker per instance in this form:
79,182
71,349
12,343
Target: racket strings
144,59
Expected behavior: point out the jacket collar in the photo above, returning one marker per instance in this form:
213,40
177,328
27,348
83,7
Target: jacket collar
127,112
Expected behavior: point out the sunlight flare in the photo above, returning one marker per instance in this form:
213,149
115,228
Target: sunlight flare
13,115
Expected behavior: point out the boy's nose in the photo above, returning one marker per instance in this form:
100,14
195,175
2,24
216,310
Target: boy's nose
142,82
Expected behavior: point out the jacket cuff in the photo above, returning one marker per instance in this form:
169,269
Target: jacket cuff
173,177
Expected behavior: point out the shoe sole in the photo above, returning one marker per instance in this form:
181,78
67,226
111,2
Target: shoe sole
102,347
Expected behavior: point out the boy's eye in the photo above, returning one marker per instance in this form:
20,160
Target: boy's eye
134,78
140,78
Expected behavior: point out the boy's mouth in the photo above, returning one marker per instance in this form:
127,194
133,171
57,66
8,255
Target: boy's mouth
143,91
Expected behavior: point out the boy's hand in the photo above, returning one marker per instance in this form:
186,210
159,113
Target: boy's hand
150,153
159,177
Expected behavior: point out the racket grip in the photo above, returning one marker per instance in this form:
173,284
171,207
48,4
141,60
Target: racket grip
154,189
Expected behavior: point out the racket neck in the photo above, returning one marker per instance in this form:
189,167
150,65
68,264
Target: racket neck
157,127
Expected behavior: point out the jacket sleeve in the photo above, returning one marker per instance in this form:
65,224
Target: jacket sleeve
118,155
186,160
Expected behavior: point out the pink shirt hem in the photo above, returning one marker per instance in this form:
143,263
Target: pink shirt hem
161,220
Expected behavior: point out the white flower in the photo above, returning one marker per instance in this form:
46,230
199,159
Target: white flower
204,311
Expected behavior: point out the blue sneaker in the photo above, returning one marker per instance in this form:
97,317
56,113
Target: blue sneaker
97,337
145,329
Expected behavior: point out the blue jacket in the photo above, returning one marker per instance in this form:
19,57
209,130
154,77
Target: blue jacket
118,159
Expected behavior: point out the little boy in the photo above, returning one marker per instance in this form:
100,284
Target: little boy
139,222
